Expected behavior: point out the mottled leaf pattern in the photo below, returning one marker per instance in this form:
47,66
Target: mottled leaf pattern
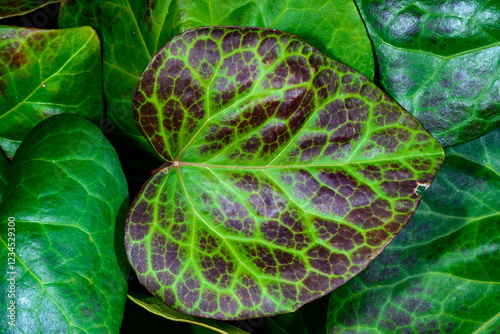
43,73
132,31
4,173
69,197
286,173
19,7
441,274
441,61
155,306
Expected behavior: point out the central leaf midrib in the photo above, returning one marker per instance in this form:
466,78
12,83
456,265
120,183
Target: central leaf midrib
346,163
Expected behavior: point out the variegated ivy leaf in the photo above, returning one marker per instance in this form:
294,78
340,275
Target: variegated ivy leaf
286,173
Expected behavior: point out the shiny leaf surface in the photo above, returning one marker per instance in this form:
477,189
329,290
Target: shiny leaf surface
10,8
132,31
43,73
440,60
4,173
66,192
156,306
442,272
286,173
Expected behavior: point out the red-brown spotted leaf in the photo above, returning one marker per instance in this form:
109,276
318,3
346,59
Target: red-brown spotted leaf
286,173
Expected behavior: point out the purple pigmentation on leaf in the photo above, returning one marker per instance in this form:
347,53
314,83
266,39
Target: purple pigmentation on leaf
286,173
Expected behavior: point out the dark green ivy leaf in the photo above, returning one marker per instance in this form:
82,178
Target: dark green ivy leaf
441,274
286,173
10,8
441,61
66,192
132,31
43,73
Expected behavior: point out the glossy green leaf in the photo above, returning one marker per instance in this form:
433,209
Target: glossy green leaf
440,60
441,274
286,173
10,8
4,173
132,32
43,73
68,196
154,305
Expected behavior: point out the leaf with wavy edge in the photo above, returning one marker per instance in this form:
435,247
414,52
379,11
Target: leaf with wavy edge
154,305
10,8
68,195
442,272
286,173
440,60
132,31
46,72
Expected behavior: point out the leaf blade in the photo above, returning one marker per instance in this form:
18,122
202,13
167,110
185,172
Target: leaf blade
440,62
264,231
47,72
67,192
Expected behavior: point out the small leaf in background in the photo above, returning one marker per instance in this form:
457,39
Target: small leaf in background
132,31
441,61
10,8
4,173
43,73
442,272
286,173
139,320
66,192
156,306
